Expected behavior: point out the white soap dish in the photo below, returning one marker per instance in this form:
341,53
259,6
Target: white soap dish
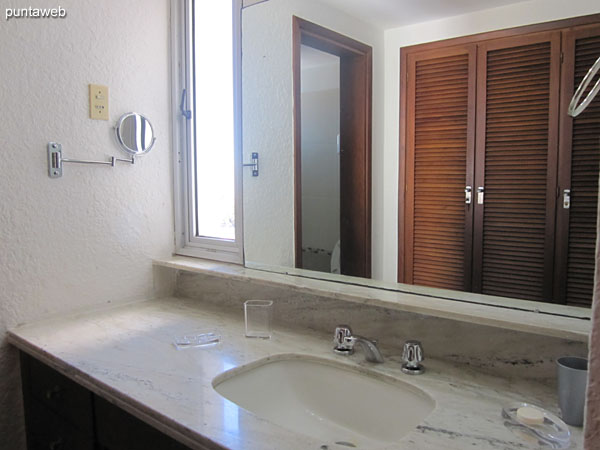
196,339
551,433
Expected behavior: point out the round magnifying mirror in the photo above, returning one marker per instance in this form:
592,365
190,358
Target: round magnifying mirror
135,134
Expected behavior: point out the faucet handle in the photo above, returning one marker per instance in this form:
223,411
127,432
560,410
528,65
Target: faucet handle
342,341
412,355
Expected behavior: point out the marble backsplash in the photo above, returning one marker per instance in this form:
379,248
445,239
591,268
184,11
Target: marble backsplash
492,350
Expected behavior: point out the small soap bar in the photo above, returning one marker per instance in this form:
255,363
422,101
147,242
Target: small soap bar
530,416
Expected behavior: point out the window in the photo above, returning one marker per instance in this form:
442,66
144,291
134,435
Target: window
206,47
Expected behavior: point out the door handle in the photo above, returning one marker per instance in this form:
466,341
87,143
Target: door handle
480,190
468,195
566,198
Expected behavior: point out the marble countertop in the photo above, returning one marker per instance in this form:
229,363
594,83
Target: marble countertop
125,354
546,319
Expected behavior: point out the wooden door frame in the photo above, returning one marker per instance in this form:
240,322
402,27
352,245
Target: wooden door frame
320,38
403,80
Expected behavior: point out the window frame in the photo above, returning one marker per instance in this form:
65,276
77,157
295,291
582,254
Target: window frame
182,67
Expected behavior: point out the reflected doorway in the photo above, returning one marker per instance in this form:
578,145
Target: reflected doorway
320,140
332,151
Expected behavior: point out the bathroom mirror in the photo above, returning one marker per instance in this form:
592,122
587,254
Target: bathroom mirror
135,134
304,110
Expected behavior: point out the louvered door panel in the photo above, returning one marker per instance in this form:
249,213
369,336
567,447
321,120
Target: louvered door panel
580,159
440,148
516,166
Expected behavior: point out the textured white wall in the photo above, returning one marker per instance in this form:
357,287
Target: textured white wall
518,14
87,238
268,125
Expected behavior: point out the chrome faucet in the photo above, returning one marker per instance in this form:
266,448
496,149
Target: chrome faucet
344,343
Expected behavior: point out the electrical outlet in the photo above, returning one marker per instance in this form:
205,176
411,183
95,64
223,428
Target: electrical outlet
98,102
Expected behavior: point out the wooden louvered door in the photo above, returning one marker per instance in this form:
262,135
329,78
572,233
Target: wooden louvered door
578,173
516,163
439,164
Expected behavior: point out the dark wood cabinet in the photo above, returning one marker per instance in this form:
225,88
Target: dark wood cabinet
48,430
58,394
62,415
114,430
488,156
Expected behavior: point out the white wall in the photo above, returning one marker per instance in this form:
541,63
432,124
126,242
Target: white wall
320,78
525,13
87,238
268,126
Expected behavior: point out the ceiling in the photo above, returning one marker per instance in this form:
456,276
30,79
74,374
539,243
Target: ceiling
395,13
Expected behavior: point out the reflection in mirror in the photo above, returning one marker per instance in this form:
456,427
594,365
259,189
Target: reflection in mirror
482,117
320,165
332,189
135,134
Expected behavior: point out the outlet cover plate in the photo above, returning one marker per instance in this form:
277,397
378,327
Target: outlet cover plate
98,102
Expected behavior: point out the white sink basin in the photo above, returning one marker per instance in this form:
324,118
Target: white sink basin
332,402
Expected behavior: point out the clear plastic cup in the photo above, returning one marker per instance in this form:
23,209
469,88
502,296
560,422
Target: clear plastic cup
258,315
